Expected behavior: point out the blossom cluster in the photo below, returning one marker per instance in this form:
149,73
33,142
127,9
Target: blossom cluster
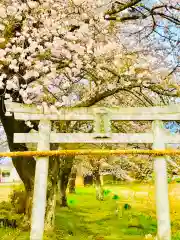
52,46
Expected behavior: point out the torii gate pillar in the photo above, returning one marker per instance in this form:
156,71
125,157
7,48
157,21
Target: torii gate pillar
40,184
161,185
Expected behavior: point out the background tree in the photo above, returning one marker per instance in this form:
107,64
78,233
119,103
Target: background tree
159,20
72,179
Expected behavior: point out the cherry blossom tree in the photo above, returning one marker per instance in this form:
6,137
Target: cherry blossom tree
47,49
158,19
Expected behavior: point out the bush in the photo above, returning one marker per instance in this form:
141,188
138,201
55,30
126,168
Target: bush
15,208
178,180
169,180
108,179
18,199
6,210
8,215
6,206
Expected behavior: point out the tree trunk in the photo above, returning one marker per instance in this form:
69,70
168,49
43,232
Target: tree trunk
65,170
54,164
63,187
28,204
51,207
25,166
72,180
98,186
95,163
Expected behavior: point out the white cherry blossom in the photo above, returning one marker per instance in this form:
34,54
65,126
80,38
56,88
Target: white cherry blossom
59,45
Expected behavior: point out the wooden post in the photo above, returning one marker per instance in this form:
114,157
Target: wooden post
40,185
161,185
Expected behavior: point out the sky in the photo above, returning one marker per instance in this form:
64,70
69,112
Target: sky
172,126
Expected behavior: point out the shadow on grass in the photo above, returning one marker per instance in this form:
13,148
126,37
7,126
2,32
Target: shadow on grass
88,218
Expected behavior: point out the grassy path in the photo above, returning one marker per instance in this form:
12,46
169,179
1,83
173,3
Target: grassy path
88,219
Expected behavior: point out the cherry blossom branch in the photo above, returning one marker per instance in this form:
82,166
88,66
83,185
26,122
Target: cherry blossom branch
118,7
97,96
121,6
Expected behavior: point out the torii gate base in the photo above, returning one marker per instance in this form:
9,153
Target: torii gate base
102,118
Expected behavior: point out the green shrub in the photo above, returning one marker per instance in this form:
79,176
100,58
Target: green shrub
18,199
177,180
9,211
108,179
15,208
169,180
5,206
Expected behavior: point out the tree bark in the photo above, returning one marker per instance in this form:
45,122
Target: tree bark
95,163
63,187
98,186
51,206
28,204
54,164
72,180
65,170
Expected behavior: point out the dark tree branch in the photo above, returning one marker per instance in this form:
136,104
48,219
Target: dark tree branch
111,14
121,7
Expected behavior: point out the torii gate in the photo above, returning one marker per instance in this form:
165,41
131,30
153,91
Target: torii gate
102,134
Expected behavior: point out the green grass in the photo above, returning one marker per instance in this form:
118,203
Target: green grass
89,219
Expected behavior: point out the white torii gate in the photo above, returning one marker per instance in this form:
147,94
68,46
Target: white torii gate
101,117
